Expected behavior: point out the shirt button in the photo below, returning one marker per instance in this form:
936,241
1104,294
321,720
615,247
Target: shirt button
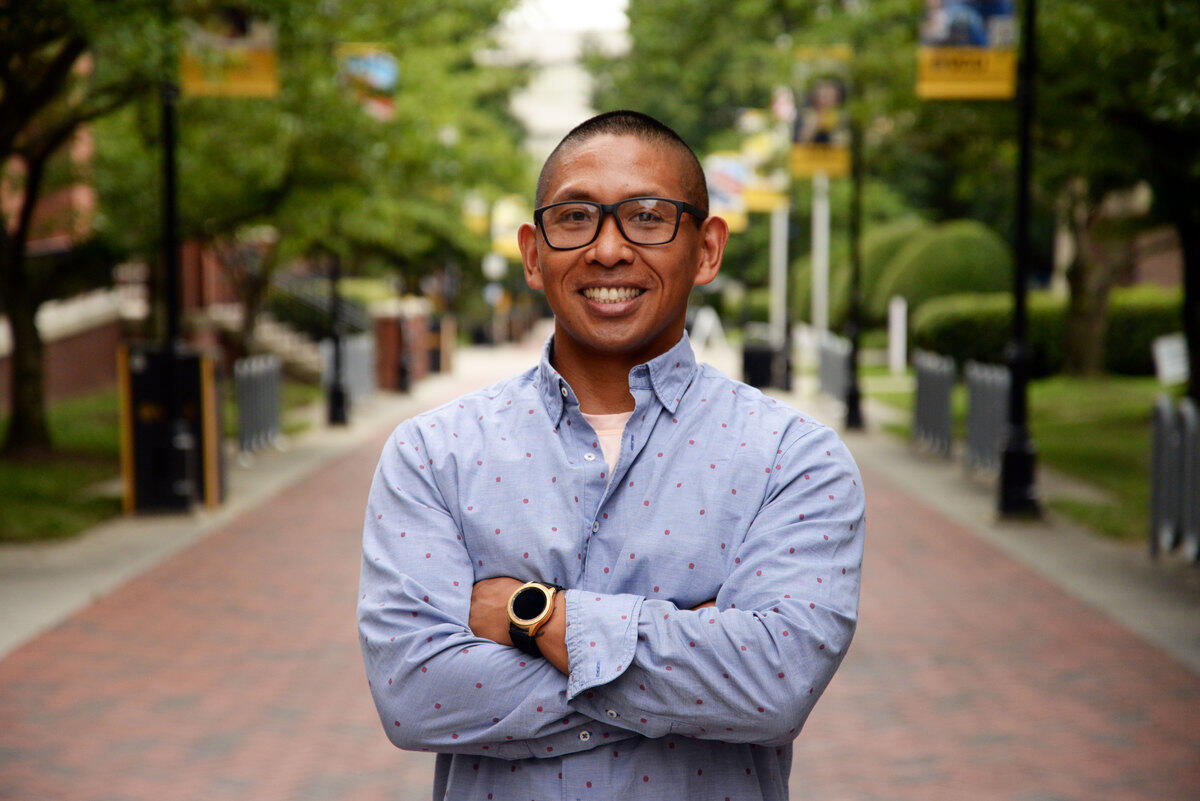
595,526
585,736
589,457
612,713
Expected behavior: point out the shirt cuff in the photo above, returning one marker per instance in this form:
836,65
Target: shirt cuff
601,636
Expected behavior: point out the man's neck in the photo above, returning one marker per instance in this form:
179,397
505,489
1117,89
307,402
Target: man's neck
600,381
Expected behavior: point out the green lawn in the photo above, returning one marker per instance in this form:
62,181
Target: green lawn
1096,430
48,498
52,498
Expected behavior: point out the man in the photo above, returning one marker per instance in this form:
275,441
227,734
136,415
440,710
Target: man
709,544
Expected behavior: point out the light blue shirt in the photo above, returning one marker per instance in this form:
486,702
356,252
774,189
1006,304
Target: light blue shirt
719,492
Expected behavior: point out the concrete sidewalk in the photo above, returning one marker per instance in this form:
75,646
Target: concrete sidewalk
991,661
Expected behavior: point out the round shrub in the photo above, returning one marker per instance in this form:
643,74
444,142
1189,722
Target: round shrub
958,256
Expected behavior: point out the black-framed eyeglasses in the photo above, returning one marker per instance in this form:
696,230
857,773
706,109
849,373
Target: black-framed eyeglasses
642,220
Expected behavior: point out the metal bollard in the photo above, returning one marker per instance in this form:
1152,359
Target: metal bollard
987,398
1189,528
1164,488
933,423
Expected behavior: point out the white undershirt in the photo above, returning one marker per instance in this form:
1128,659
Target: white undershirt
608,428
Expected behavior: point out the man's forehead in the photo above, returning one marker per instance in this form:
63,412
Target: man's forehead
626,165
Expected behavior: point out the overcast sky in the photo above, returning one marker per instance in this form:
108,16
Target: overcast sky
578,15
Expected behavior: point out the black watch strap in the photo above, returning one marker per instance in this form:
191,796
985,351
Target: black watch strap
523,641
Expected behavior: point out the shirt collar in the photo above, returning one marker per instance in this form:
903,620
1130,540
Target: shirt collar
667,374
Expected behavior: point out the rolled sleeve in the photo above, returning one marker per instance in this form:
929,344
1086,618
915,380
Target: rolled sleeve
601,636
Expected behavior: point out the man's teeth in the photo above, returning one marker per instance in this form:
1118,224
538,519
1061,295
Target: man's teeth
608,294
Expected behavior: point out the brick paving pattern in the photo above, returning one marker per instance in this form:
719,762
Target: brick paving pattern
232,671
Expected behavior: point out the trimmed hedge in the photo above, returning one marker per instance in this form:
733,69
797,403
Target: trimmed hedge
1136,316
879,247
958,256
979,326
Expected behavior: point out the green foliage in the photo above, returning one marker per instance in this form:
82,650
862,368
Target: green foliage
979,327
1136,316
318,169
959,256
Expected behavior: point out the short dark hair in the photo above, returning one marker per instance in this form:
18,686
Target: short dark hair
624,122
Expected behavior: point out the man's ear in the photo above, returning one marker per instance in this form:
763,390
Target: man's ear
714,235
527,242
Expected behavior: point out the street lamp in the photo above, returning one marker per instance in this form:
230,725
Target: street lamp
854,415
1017,461
338,400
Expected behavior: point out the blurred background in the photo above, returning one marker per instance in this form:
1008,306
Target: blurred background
240,239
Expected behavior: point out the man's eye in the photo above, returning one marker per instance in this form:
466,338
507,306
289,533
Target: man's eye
648,217
574,216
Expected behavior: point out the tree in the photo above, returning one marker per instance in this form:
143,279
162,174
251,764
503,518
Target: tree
1144,105
312,170
62,66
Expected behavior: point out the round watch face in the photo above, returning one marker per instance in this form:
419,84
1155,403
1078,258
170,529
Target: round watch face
529,603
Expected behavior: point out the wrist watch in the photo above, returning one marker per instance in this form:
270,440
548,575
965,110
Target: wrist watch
528,610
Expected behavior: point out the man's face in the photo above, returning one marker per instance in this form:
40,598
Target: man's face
614,298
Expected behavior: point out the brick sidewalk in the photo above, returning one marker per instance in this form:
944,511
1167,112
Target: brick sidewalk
232,670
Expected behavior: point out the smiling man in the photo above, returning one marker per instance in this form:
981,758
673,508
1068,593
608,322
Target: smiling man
620,574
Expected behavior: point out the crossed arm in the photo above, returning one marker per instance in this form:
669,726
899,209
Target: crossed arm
489,619
745,669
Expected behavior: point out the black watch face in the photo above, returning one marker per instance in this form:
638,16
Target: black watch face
529,603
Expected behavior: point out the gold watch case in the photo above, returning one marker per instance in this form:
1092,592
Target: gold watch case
531,625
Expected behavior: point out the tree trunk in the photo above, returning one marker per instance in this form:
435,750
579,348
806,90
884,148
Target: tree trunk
28,432
253,291
1087,301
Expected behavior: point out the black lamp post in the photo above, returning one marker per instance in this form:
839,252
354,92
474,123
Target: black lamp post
1017,494
339,401
178,451
854,415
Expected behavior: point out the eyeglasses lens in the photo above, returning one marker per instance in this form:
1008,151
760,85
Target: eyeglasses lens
644,221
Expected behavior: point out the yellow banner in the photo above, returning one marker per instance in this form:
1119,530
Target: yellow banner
966,73
805,161
230,57
763,199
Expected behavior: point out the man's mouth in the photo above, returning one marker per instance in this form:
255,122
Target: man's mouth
611,294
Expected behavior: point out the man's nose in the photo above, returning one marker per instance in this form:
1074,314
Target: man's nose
611,246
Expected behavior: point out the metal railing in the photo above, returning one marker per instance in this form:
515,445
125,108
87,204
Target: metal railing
1175,480
305,304
358,365
257,388
933,424
833,365
987,414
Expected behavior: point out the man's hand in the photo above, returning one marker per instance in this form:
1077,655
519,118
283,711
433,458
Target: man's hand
489,608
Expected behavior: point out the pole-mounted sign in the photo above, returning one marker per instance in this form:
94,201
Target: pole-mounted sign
968,50
229,53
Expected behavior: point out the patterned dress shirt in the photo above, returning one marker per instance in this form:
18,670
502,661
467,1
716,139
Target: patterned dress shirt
719,492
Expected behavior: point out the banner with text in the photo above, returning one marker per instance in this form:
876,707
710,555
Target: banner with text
229,53
968,50
821,130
